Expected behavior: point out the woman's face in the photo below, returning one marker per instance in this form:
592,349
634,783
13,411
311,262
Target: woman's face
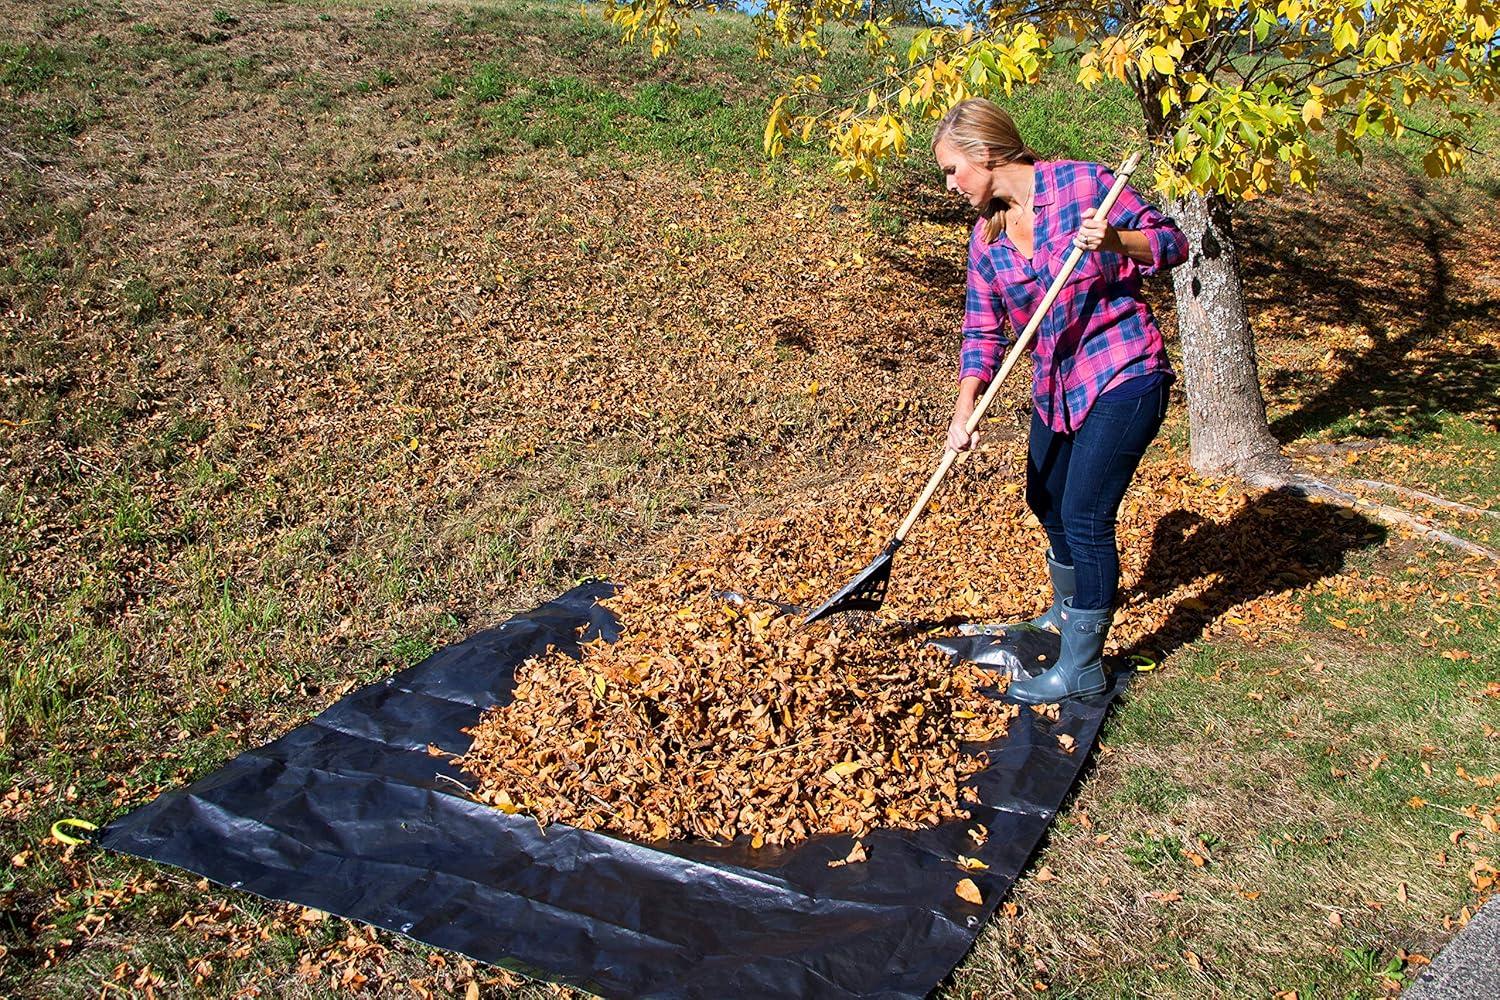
972,180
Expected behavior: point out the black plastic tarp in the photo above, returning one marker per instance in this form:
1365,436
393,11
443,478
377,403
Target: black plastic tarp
349,813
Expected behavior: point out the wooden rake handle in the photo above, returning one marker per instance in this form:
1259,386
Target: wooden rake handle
949,455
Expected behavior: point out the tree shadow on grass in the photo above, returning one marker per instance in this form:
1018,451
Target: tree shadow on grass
1278,542
1378,261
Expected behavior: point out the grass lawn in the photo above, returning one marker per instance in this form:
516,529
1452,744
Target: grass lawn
332,332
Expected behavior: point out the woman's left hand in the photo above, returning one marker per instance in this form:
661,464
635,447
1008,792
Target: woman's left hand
1096,233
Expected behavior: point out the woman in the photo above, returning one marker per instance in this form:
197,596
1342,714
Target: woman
1101,372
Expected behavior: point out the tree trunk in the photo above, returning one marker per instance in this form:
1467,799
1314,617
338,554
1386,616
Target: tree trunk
1226,412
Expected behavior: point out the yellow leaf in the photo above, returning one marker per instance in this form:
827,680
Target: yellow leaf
842,770
967,891
971,864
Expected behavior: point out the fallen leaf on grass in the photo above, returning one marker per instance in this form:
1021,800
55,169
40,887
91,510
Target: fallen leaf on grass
1044,874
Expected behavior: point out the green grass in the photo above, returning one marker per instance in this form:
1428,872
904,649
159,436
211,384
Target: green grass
28,68
693,124
1252,760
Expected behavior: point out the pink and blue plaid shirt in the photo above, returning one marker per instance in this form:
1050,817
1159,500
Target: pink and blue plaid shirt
1099,332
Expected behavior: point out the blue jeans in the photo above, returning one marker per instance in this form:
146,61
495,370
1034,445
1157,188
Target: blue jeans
1074,484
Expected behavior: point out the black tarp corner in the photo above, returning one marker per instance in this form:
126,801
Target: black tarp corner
350,814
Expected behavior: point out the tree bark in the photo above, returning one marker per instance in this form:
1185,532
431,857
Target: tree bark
1226,411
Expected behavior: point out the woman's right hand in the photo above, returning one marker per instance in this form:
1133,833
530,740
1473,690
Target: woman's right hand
960,440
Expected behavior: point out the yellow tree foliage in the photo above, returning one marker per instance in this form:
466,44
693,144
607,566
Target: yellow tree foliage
1230,90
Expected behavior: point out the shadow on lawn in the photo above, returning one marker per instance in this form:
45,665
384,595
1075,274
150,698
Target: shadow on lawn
1392,281
1278,542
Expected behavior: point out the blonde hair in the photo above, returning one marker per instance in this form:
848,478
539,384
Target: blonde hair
983,132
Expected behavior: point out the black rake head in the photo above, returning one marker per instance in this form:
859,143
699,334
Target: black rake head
866,592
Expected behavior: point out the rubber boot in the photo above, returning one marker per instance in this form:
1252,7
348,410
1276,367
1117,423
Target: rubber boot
1064,586
1079,671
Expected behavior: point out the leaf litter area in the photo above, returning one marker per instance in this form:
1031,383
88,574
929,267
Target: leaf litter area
717,716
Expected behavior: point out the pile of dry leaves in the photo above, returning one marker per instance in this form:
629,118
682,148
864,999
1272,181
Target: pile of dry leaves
715,718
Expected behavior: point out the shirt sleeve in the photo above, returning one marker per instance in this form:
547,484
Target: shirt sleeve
984,316
1169,247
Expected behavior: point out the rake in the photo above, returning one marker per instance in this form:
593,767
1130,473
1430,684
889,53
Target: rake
866,592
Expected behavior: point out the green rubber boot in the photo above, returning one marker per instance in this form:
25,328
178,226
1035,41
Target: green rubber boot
1064,586
1079,671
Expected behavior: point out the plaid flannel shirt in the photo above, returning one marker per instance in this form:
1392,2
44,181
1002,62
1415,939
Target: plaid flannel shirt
1099,332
